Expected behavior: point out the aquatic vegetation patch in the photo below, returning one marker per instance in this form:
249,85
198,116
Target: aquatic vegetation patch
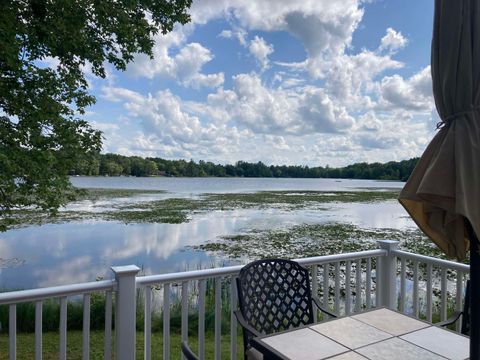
295,200
95,194
307,240
180,210
170,211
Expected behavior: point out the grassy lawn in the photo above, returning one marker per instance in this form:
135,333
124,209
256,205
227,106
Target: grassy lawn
26,345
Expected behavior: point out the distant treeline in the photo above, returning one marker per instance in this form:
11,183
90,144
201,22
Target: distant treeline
116,165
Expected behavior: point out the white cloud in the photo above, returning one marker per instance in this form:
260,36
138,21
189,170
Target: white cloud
414,94
322,25
392,41
185,66
227,34
238,33
350,78
320,114
261,50
189,62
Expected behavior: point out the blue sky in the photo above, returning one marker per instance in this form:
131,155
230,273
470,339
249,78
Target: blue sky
313,82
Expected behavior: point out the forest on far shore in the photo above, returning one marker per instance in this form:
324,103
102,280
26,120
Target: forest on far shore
119,165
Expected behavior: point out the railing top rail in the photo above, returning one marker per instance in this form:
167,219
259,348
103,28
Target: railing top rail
232,270
55,291
431,260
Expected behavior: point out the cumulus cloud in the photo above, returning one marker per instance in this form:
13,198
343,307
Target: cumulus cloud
295,111
185,66
414,94
392,41
168,125
350,78
261,50
320,114
322,25
227,34
238,33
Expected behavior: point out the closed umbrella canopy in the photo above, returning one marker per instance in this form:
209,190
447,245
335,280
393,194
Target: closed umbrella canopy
444,189
443,193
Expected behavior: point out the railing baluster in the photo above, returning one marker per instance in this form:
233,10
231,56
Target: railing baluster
201,319
458,298
86,327
107,351
403,283
166,321
12,332
377,285
326,285
148,323
337,287
416,310
233,320
63,329
315,289
429,292
38,330
443,306
368,286
348,291
184,329
218,317
358,286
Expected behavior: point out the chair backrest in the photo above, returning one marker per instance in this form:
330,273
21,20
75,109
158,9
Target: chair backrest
466,311
187,352
274,295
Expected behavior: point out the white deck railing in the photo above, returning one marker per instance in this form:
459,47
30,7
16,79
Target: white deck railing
62,293
345,283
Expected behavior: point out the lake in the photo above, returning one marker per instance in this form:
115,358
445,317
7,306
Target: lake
83,250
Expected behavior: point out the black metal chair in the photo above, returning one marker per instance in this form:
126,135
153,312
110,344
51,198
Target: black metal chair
273,295
187,352
465,329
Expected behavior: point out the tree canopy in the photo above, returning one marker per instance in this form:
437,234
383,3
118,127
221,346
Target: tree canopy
117,165
45,48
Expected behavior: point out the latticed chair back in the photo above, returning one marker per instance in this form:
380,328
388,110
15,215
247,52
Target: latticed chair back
274,295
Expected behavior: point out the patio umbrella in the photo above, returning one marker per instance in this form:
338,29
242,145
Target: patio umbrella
442,194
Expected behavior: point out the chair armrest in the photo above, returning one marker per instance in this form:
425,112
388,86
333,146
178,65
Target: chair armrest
453,318
245,325
322,309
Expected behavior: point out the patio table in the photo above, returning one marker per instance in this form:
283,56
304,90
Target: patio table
378,334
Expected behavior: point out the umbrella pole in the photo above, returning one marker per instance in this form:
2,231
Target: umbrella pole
474,295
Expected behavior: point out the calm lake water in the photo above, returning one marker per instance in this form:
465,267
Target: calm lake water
57,254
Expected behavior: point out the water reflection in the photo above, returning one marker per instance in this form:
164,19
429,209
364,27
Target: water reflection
388,214
58,254
227,185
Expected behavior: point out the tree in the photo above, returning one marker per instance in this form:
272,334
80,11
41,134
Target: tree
41,136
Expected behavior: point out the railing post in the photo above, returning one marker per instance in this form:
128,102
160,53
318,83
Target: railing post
387,274
125,311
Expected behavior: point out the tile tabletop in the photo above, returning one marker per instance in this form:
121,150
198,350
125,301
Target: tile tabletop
304,344
397,349
390,321
351,355
442,342
376,335
350,332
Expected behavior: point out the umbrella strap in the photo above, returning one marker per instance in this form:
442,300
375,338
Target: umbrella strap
448,120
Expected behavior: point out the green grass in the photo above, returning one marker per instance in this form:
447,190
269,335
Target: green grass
26,345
